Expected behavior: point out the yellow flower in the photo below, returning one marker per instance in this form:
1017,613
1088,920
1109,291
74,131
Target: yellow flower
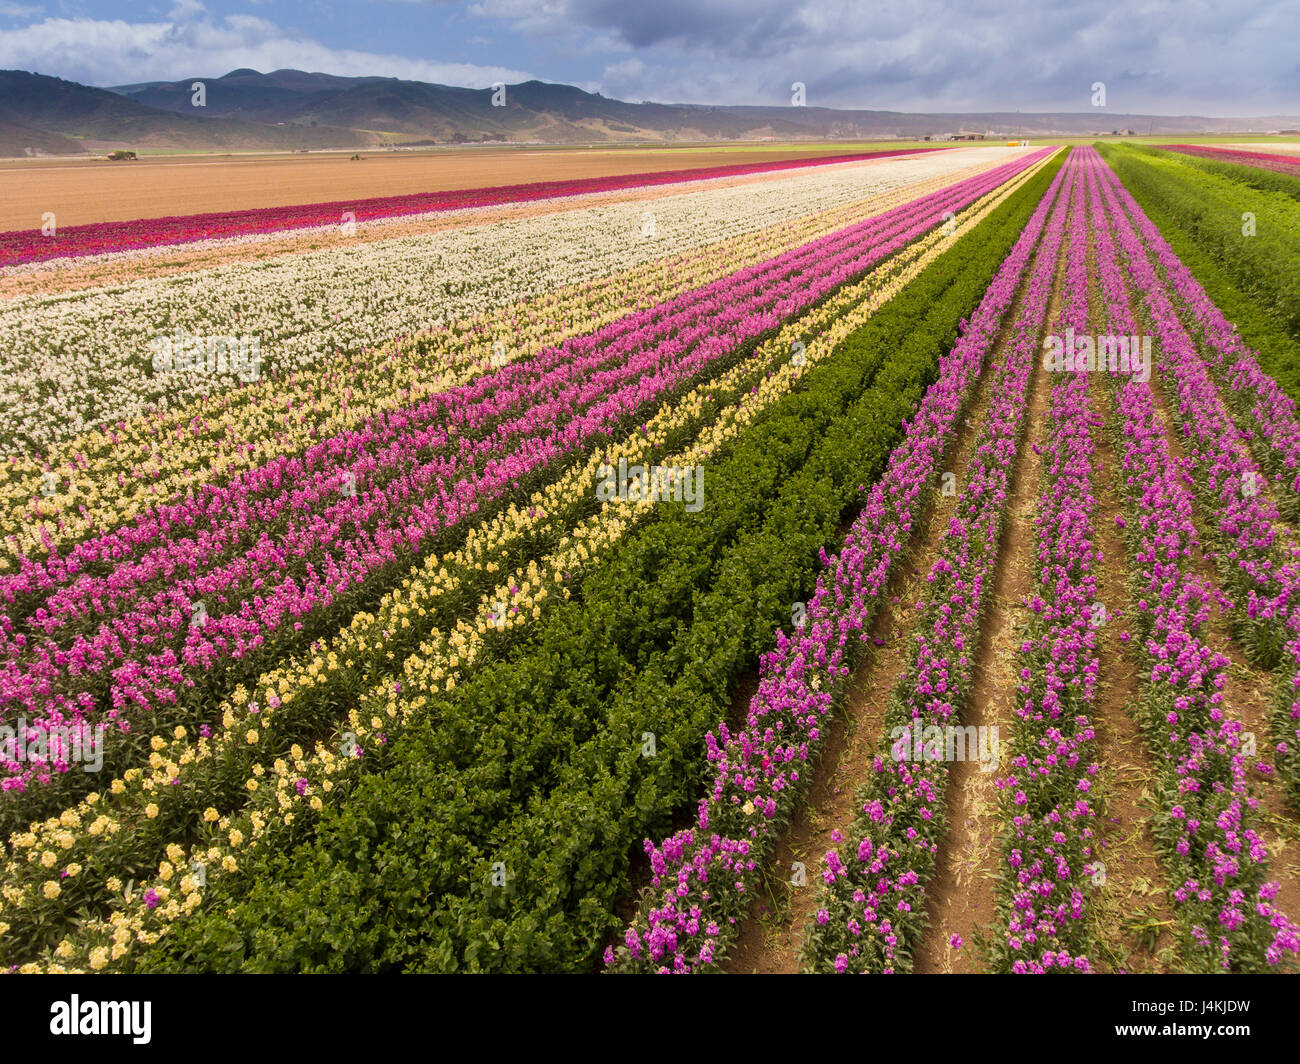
48,859
151,810
113,884
98,958
316,802
211,815
52,890
236,837
229,863
250,736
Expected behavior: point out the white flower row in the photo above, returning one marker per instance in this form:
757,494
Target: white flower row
306,232
74,360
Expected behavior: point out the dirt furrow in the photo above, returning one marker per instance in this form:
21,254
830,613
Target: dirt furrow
962,898
1130,907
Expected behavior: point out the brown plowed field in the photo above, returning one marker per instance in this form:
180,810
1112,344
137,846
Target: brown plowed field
82,191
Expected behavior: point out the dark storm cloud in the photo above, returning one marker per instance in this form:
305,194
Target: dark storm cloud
1224,58
1158,56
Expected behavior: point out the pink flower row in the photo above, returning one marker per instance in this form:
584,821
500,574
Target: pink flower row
1207,809
1260,569
873,911
29,245
1282,164
1047,791
702,875
714,321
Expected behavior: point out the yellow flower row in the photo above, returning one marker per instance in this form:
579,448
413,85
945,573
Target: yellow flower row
440,660
103,478
368,633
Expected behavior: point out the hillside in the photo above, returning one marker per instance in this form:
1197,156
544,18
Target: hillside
293,109
99,119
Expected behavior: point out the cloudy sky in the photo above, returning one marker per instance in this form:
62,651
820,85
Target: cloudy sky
1154,56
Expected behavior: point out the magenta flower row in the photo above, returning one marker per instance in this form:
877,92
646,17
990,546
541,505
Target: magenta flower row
874,906
29,245
1047,792
703,874
149,649
1282,164
1207,808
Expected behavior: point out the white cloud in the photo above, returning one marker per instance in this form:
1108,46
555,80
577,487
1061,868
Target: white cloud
185,9
1156,55
104,52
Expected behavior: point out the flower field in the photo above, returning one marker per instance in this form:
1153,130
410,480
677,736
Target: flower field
17,248
1282,164
654,576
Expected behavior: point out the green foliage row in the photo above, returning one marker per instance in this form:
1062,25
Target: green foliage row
1254,176
1253,280
536,772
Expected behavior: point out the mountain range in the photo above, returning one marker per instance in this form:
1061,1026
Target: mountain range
293,109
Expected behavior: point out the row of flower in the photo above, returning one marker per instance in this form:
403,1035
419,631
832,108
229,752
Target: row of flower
1242,235
75,361
1282,164
872,905
313,456
131,638
376,659
104,478
1206,817
1265,415
1243,515
551,744
30,245
1048,800
704,875
1263,572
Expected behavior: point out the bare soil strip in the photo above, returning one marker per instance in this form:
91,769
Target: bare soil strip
85,191
168,260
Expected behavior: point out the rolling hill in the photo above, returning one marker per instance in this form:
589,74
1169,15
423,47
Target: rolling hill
294,109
